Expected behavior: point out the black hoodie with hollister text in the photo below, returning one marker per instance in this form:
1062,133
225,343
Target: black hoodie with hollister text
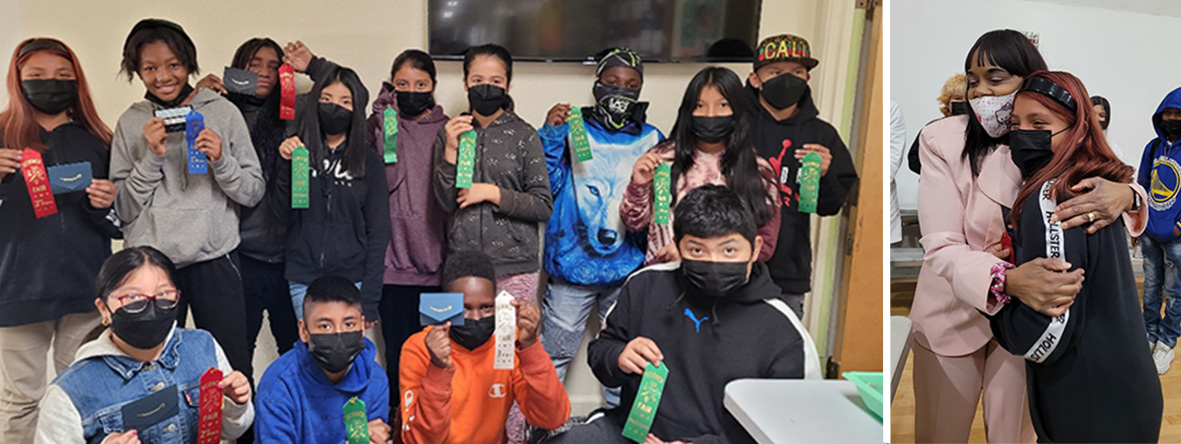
1089,373
777,141
706,343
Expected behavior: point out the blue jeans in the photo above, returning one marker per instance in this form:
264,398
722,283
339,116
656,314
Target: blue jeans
564,313
298,291
1162,271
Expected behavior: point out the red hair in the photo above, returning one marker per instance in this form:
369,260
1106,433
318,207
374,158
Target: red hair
1084,152
18,126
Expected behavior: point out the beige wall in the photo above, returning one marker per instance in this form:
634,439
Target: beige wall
364,35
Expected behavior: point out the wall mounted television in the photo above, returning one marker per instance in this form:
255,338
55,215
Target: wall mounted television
576,30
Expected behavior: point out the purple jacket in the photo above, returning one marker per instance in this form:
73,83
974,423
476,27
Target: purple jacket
415,253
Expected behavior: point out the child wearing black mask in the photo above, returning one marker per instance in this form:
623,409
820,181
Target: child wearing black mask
712,318
140,380
263,238
510,192
1159,171
414,257
345,229
48,264
192,218
786,127
450,390
302,394
588,251
709,144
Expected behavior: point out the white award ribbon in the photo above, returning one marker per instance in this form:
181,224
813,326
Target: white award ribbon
506,332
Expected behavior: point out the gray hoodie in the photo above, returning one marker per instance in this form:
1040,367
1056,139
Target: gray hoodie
190,218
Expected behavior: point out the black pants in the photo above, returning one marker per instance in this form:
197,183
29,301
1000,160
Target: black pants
600,431
213,290
399,320
266,290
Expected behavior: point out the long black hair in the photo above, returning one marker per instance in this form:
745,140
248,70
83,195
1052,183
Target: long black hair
1012,51
494,50
117,268
418,60
739,160
309,122
267,133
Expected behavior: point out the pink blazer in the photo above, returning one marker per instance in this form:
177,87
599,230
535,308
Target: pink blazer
960,217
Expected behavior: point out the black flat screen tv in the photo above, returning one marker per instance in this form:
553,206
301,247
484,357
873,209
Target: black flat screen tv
577,30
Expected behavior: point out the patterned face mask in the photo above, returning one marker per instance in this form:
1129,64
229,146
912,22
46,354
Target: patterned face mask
993,113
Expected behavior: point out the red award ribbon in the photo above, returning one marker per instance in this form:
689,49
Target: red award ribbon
209,409
37,181
287,89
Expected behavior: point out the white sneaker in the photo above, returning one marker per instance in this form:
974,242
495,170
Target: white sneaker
1151,346
1163,357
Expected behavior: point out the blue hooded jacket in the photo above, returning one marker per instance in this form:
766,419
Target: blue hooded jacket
1160,175
585,240
297,403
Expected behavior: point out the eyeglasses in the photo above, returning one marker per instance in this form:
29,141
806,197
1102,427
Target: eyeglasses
136,303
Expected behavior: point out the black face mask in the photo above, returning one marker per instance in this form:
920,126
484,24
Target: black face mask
472,334
334,352
50,96
614,105
959,108
486,99
145,329
1030,150
784,90
334,119
1172,128
713,129
715,279
185,91
411,104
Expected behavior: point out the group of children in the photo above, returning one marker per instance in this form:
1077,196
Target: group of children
332,217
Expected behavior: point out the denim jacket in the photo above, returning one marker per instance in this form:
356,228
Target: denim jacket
85,402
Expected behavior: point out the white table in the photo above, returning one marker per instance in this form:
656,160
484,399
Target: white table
776,411
899,348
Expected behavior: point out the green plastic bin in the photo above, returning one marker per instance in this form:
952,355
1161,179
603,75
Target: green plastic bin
869,385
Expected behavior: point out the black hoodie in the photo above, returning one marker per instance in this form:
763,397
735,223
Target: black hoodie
706,344
1089,373
791,265
48,265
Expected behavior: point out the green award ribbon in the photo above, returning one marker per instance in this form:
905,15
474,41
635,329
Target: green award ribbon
661,185
809,182
466,162
578,137
300,165
390,126
643,412
356,425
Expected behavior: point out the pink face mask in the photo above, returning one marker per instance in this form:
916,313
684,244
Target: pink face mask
993,113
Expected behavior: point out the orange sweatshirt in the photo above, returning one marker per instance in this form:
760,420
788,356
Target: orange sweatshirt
469,402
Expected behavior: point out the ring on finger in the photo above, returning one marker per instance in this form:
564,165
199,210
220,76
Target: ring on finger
1091,217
